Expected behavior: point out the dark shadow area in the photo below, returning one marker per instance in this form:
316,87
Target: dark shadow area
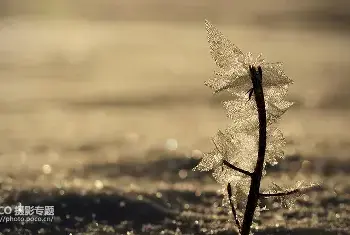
204,199
298,231
75,211
118,213
152,210
114,212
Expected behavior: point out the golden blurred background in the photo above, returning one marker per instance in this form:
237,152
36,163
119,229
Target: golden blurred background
90,73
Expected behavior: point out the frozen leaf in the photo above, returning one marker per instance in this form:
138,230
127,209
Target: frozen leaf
233,74
223,149
239,149
224,80
223,144
289,201
240,190
224,175
287,195
236,149
246,112
223,51
244,152
274,82
275,74
275,143
209,161
274,111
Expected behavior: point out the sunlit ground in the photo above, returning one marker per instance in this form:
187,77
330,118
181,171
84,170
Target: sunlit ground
105,120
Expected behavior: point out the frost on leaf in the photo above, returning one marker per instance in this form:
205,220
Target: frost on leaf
275,143
209,161
275,74
240,191
237,149
288,194
223,51
238,145
245,112
233,73
287,201
234,157
224,80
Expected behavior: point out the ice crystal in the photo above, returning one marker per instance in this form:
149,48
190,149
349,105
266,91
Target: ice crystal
287,201
238,144
244,113
233,72
233,161
232,148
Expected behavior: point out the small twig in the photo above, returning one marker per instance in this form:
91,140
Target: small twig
234,213
226,163
279,194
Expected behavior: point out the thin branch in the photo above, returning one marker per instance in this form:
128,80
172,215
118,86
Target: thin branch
253,196
226,163
279,194
294,191
234,213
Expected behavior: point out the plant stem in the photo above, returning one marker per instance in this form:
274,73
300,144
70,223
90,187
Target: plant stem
233,167
234,213
253,197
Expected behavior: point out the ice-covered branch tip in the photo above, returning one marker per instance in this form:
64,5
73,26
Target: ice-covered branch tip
298,190
280,194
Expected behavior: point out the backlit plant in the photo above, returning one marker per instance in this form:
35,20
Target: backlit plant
252,140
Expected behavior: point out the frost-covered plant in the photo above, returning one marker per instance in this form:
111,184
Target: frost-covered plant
252,140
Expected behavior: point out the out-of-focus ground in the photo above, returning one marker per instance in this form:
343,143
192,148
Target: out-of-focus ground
95,93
